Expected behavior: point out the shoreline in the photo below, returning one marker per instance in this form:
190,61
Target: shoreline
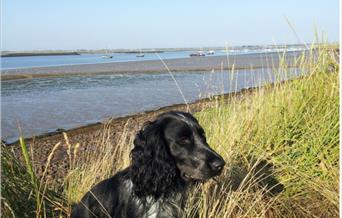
208,63
147,50
57,134
30,54
88,136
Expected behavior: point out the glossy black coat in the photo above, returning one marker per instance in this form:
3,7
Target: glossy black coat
170,154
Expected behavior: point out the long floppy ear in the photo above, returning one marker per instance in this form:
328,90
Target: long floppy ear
153,170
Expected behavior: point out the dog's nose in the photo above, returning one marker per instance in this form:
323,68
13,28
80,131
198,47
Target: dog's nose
217,164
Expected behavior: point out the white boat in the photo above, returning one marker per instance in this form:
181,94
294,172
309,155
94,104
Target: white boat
199,53
211,52
140,55
107,56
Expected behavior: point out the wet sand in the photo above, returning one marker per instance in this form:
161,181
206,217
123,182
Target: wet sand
154,66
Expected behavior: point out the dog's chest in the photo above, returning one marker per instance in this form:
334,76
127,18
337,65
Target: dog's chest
162,208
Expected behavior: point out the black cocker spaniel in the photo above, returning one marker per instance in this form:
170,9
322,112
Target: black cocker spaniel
170,154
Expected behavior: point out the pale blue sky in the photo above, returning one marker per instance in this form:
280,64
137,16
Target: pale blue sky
83,24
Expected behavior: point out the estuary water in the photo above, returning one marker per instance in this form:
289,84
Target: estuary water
60,60
46,104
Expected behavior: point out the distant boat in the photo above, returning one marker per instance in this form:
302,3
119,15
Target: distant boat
199,53
140,55
211,52
107,56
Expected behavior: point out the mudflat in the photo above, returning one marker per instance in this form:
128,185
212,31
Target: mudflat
260,60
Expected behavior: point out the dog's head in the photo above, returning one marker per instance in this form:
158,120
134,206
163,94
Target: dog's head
172,148
187,144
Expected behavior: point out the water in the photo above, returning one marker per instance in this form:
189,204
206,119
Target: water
45,104
59,60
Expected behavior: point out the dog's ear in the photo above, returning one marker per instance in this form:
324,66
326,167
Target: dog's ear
153,169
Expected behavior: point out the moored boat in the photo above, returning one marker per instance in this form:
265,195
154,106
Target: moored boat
107,56
212,52
198,54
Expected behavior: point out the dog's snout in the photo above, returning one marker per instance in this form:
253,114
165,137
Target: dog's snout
217,165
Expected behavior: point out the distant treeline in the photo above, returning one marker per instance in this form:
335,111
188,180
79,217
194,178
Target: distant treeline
21,54
143,50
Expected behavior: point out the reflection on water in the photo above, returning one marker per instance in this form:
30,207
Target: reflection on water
46,104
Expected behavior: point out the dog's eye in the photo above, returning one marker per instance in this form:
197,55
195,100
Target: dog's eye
184,141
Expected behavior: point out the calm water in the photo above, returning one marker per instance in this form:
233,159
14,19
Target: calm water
46,104
58,60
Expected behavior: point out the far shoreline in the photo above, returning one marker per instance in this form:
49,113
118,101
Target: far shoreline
29,54
245,61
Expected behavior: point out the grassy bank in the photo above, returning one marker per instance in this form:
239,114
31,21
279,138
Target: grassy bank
280,143
295,128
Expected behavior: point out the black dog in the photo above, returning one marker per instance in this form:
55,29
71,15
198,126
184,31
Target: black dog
170,154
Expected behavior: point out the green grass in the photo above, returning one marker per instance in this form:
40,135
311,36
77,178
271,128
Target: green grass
286,133
22,193
295,127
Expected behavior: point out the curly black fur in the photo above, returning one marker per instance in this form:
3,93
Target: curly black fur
169,155
153,170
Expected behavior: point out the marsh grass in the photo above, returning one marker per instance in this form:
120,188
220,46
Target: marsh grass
295,127
280,143
23,194
102,162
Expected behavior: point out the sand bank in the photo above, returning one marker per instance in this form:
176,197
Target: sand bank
154,66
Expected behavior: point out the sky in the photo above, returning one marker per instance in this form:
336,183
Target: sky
114,24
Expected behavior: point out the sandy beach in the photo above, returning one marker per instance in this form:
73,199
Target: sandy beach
154,66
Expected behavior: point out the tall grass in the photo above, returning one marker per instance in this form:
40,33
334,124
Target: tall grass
294,127
23,194
280,143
